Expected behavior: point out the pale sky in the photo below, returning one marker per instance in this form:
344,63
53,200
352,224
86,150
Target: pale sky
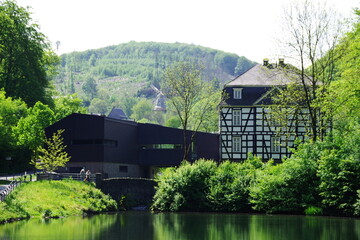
244,27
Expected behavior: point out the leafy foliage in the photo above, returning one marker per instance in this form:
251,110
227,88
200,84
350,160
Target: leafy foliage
184,89
26,60
184,188
288,187
54,155
230,185
203,186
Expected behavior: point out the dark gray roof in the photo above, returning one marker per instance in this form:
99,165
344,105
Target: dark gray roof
263,76
118,113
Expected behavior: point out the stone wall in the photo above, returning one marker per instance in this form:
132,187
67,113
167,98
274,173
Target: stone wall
129,192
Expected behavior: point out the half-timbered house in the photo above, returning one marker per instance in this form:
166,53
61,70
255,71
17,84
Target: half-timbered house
245,122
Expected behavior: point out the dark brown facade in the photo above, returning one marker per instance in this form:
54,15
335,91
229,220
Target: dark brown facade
118,147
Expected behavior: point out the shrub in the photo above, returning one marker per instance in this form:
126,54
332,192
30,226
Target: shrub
288,187
229,186
339,172
313,211
184,188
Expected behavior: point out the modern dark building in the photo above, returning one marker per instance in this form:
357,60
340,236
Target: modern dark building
119,147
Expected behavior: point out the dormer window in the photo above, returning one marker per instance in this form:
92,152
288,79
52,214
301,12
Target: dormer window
238,93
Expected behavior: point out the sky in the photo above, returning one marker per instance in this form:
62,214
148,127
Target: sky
244,27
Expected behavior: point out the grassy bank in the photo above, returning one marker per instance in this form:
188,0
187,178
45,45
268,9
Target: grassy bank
54,199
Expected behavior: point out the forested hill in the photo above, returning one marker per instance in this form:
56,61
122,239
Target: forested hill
128,70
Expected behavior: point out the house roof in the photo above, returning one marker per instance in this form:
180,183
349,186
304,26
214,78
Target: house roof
118,113
263,76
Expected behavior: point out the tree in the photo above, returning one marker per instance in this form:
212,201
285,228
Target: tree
26,60
98,106
29,131
312,31
210,122
143,109
90,88
54,155
66,105
184,88
11,110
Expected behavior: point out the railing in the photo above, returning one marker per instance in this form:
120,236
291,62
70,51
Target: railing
60,176
10,187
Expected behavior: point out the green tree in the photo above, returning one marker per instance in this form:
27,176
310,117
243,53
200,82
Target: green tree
11,111
26,60
184,188
127,104
54,155
311,33
66,105
210,118
30,130
289,187
184,88
90,88
339,163
143,109
98,106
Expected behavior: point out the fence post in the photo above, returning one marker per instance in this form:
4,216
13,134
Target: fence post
98,179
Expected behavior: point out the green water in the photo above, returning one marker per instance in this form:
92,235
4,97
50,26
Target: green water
170,226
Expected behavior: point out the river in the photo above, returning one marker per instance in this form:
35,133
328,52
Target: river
183,226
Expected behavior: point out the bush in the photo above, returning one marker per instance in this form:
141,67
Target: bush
339,172
184,188
230,185
313,211
288,187
202,186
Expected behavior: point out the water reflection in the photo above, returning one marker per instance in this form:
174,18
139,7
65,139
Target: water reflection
183,226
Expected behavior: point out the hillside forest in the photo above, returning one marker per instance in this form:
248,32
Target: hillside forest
98,76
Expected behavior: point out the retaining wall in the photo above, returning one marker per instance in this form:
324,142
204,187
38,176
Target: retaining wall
132,192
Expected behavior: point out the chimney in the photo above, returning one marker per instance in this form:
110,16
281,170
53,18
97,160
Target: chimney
265,62
281,62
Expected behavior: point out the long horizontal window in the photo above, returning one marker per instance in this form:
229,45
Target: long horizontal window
161,146
104,142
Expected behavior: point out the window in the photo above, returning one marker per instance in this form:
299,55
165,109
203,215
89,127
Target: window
236,117
161,146
123,169
104,142
236,144
275,144
238,93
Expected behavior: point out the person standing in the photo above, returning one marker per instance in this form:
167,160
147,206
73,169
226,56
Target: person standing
82,174
87,178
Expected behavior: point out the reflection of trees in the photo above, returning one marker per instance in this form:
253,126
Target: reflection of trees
300,227
63,228
185,226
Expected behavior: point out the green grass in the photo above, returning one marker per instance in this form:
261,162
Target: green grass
54,199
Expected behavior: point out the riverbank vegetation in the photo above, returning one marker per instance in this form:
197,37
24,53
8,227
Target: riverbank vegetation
321,178
51,199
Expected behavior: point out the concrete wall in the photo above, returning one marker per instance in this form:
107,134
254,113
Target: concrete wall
112,170
137,192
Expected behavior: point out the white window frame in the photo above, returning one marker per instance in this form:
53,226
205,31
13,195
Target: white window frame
236,144
275,144
236,117
237,93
